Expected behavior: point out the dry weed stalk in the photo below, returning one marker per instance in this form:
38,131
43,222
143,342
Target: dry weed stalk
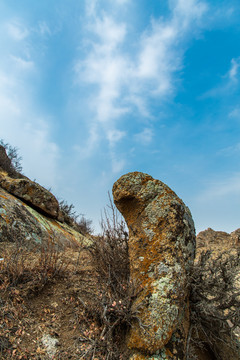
30,268
112,306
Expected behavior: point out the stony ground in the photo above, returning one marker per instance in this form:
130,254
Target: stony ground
54,323
57,320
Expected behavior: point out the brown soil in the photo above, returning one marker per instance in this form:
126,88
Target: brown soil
60,310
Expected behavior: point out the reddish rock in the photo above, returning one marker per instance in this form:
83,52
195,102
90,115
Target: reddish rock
161,249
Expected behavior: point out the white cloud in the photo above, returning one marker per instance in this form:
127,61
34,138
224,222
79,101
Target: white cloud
220,189
22,64
16,30
188,11
144,137
234,69
117,164
122,80
122,2
22,123
235,113
115,136
110,33
90,7
43,28
230,150
229,81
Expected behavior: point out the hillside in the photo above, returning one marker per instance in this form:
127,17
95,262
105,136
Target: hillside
68,295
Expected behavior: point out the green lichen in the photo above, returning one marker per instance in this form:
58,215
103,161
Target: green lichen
3,211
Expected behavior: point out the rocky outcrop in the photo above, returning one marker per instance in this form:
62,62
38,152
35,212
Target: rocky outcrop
33,194
220,239
161,249
235,235
20,222
219,242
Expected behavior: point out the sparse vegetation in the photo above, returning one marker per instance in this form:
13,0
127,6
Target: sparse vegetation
112,307
97,286
30,269
100,293
12,163
78,222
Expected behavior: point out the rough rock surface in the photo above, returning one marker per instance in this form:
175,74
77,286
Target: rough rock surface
20,222
235,235
221,242
210,237
161,248
32,193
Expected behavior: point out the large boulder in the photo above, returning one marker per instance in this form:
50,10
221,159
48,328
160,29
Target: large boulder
161,250
32,193
21,223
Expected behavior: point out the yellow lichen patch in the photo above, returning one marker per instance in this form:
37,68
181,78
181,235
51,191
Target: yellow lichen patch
4,197
5,217
169,353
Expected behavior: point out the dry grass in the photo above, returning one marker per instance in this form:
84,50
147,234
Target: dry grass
29,270
112,307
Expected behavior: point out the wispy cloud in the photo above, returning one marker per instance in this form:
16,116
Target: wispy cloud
124,79
229,81
22,123
17,30
230,150
234,70
235,113
144,137
230,186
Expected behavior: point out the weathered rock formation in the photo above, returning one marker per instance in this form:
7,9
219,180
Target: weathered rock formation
32,193
209,238
217,242
29,212
161,248
21,222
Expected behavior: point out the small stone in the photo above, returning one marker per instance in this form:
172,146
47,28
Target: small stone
50,344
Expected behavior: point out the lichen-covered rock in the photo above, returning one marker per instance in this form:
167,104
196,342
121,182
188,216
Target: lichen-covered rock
20,222
161,249
235,235
32,193
221,239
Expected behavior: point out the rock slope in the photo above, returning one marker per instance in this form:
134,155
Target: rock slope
28,212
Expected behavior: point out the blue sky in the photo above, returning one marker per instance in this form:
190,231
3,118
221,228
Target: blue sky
93,89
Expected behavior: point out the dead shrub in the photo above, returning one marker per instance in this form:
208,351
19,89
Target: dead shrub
10,161
111,306
215,303
30,269
81,225
110,251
